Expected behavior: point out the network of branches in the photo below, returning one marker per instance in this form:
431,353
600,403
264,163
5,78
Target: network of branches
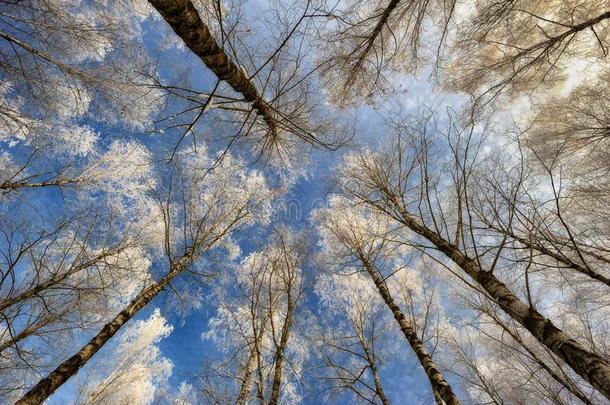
304,201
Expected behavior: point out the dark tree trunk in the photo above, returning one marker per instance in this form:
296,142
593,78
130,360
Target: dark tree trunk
184,19
45,387
12,186
590,366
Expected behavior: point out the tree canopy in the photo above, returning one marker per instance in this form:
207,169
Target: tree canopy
304,202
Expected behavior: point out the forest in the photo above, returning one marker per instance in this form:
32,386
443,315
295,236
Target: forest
304,202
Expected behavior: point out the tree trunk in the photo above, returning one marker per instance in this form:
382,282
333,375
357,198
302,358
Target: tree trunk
184,19
260,389
371,362
378,388
440,387
11,186
246,385
590,366
279,354
68,368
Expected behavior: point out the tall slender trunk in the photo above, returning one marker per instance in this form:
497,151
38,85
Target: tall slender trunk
260,387
11,186
38,288
184,19
378,388
68,368
246,385
279,353
590,366
567,384
440,387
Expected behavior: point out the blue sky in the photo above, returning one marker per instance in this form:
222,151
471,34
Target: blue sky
403,378
74,122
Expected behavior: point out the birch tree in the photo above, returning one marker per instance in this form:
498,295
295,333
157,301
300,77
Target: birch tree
240,329
66,268
353,340
277,110
262,330
366,238
404,184
129,136
210,205
513,46
62,66
365,43
512,352
533,208
138,369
